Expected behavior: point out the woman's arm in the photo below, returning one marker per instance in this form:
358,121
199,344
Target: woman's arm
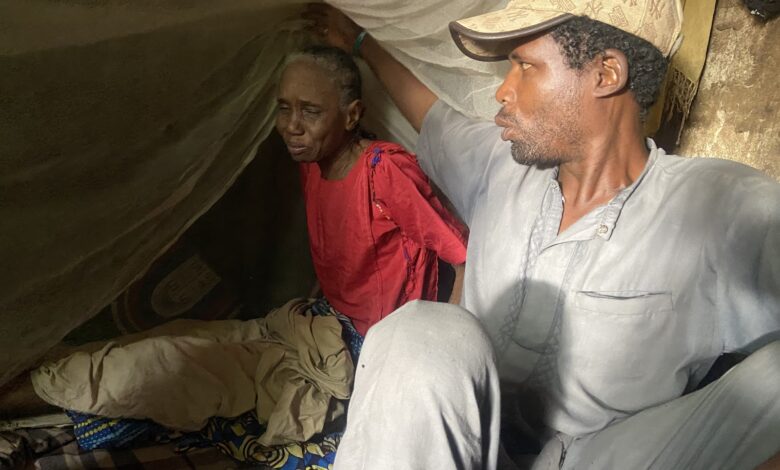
457,285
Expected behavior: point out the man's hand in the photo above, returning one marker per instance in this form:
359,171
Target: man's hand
412,97
333,26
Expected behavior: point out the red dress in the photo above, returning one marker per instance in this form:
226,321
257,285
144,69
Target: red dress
375,234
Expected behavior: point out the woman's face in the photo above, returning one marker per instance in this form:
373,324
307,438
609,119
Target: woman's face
310,117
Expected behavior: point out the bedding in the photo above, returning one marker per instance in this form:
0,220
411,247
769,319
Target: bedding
100,442
56,449
292,367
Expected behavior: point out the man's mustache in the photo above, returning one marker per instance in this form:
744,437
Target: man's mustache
505,119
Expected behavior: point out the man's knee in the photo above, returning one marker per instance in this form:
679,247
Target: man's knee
427,366
434,323
763,366
431,336
754,384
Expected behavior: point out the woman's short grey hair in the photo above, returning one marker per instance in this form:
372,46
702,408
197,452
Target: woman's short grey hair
344,72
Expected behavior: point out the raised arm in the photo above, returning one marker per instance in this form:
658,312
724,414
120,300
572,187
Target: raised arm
412,97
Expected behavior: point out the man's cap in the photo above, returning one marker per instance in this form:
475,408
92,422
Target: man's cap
492,36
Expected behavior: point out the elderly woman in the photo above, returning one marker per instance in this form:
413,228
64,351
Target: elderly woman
375,226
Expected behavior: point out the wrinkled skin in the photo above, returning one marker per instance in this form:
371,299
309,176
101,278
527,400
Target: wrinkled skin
313,123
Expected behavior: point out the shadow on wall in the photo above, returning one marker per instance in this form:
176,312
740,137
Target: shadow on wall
248,254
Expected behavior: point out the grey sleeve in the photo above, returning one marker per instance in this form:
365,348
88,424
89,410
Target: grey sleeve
458,154
749,274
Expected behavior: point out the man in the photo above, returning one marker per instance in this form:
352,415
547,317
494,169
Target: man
606,275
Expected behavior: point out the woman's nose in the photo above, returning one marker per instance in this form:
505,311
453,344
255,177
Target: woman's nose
294,123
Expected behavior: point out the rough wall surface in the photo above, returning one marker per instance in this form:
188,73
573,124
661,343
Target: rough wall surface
736,111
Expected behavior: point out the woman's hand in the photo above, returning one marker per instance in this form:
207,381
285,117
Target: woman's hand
333,26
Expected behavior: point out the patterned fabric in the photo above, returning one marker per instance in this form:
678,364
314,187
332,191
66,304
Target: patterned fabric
162,456
95,432
18,447
152,300
238,438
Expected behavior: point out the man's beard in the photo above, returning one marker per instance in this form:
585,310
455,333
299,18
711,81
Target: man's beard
530,153
550,138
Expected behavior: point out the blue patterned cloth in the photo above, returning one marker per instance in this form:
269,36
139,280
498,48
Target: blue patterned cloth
238,438
96,432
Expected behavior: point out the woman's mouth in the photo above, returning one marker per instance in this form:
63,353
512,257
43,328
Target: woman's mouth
296,150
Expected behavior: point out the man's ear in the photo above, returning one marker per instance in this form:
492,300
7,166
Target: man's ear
354,113
611,73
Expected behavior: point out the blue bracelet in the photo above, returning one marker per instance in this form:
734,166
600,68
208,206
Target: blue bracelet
358,43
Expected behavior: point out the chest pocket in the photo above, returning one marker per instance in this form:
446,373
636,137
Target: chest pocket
624,302
621,335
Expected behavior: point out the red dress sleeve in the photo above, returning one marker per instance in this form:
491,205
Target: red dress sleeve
403,193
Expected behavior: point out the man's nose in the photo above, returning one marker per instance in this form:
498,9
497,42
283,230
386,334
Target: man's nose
507,92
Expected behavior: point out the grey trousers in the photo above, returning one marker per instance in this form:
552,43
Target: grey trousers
427,396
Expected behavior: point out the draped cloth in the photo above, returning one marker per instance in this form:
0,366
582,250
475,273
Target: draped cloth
291,367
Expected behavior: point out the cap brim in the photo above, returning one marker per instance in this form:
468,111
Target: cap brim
491,37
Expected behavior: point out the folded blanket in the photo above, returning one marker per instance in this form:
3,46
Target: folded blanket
289,367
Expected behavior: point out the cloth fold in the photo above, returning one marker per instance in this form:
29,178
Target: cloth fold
288,366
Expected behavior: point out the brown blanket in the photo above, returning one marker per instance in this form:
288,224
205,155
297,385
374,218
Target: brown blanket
289,366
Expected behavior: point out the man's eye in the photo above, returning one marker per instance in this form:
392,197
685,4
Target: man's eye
283,108
311,111
525,65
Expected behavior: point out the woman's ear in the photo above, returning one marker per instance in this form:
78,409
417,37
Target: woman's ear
611,70
354,113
